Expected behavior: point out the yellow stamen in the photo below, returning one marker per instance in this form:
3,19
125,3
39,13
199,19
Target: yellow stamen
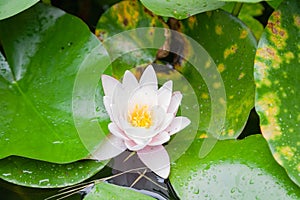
140,116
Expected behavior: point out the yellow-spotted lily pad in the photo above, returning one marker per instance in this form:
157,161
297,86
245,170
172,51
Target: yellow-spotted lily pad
232,46
277,76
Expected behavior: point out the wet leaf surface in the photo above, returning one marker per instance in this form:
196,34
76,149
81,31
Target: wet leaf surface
37,84
40,174
181,9
9,8
234,169
232,46
277,80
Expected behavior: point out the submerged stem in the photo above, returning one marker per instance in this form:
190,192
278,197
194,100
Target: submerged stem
66,192
236,9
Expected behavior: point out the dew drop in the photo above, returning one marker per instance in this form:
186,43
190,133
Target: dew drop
27,172
233,190
197,191
251,182
6,174
57,142
3,71
43,181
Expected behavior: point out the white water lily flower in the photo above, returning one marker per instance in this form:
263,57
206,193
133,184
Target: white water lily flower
143,118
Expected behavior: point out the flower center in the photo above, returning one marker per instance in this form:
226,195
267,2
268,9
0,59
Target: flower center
140,116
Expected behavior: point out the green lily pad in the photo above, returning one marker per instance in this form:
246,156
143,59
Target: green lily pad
277,79
109,191
9,8
181,9
129,51
233,170
37,84
232,47
40,174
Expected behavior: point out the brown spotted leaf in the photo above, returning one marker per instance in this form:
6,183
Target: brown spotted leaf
277,76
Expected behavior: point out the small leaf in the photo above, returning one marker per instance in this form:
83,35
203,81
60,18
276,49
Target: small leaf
181,9
40,174
277,79
9,8
234,169
110,191
247,15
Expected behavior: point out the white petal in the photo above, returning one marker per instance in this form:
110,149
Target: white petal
109,83
157,159
164,95
142,141
129,82
175,102
116,131
107,105
149,77
133,146
161,119
140,133
110,147
144,95
158,116
160,138
119,106
168,120
178,124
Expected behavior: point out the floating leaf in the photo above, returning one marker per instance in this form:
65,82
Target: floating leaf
181,9
34,173
110,191
232,47
37,84
277,79
233,170
9,8
124,16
